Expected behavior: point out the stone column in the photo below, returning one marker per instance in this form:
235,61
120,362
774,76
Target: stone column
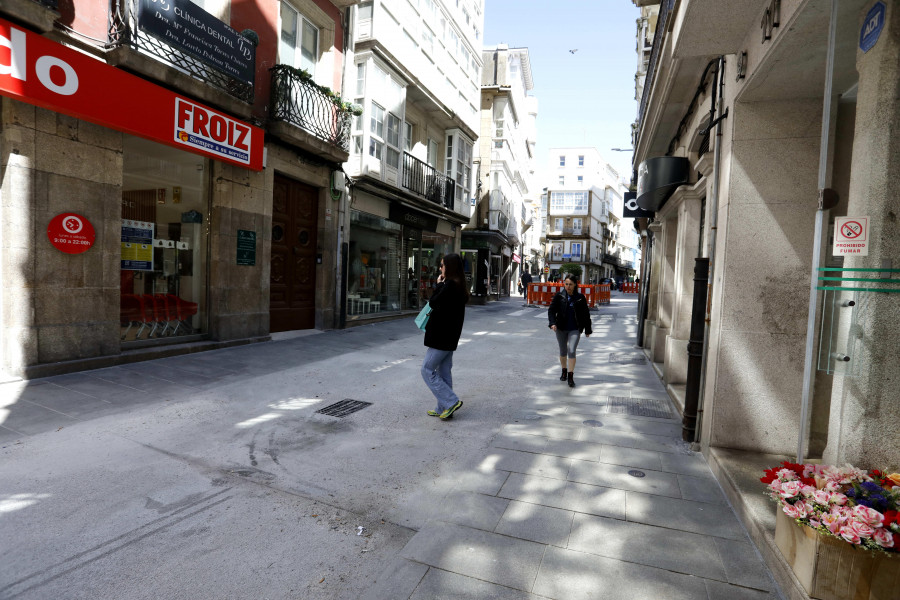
685,202
865,409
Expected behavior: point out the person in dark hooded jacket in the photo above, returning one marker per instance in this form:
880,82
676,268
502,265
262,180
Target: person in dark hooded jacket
569,317
442,332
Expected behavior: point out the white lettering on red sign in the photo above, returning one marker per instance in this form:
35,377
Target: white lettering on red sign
202,128
17,67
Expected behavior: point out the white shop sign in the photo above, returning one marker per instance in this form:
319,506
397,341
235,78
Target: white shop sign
851,236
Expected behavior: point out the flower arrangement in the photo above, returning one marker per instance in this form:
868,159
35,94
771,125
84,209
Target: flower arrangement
857,506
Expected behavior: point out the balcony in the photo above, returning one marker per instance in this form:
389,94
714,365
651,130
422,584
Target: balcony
665,6
135,49
304,113
426,181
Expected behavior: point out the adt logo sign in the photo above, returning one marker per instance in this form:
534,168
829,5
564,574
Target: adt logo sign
872,27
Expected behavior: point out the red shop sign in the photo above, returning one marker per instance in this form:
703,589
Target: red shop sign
44,73
71,233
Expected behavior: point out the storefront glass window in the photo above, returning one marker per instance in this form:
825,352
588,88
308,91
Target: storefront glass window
433,248
373,277
165,216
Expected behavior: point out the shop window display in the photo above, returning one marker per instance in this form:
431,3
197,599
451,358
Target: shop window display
163,243
430,252
373,278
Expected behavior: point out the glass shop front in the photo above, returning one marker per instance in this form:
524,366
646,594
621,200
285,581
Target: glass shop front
391,266
165,217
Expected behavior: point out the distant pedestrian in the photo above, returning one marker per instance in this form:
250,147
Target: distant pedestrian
448,311
569,317
525,279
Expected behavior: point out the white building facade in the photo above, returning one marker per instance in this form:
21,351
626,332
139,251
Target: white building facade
584,217
494,241
414,68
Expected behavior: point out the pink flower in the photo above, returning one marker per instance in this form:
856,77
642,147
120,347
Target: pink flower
821,496
791,511
814,523
786,475
861,529
775,486
831,486
807,491
867,515
838,498
803,509
789,489
884,538
833,522
849,535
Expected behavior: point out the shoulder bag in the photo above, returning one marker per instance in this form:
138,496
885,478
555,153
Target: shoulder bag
422,318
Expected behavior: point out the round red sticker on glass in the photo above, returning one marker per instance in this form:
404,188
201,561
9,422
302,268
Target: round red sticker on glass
71,233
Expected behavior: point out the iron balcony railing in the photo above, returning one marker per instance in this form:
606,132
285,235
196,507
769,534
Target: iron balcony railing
298,100
124,31
665,6
423,179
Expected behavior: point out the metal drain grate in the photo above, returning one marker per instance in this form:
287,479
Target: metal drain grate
627,358
640,407
343,408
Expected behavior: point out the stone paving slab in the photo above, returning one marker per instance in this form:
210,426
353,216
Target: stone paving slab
527,462
619,477
583,451
701,489
522,442
669,549
631,457
743,564
443,585
471,509
541,524
570,575
491,557
567,495
707,519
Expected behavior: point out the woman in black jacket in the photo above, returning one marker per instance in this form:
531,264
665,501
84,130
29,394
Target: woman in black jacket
445,323
569,316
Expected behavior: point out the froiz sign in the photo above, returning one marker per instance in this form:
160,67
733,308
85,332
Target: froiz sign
38,71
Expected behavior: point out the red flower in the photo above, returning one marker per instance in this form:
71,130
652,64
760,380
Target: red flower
769,477
891,516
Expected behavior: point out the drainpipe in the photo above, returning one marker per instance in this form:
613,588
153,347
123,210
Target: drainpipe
695,350
715,107
644,288
817,239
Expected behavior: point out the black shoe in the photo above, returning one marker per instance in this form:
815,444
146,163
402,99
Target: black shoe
571,379
563,376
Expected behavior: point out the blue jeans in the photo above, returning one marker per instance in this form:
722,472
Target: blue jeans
436,373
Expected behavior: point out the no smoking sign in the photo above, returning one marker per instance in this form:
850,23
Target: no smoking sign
851,236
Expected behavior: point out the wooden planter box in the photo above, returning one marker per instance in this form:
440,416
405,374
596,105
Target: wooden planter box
831,569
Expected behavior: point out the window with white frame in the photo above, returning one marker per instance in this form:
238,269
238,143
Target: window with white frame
407,136
581,160
393,140
559,224
376,130
562,180
570,203
562,161
576,226
432,157
459,163
298,45
580,180
575,250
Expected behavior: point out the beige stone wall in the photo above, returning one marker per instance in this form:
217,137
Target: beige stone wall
58,306
764,252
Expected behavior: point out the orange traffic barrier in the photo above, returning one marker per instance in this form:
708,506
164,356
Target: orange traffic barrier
602,293
631,288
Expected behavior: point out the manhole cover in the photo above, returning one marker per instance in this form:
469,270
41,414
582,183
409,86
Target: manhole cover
343,408
636,473
639,407
593,423
627,358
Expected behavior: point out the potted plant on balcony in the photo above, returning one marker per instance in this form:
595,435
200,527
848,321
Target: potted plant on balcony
846,541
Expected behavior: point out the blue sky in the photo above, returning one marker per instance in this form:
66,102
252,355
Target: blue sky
585,98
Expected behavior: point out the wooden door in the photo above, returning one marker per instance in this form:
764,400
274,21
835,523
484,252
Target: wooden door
292,296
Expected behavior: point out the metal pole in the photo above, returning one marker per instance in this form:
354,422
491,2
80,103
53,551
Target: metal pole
817,239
